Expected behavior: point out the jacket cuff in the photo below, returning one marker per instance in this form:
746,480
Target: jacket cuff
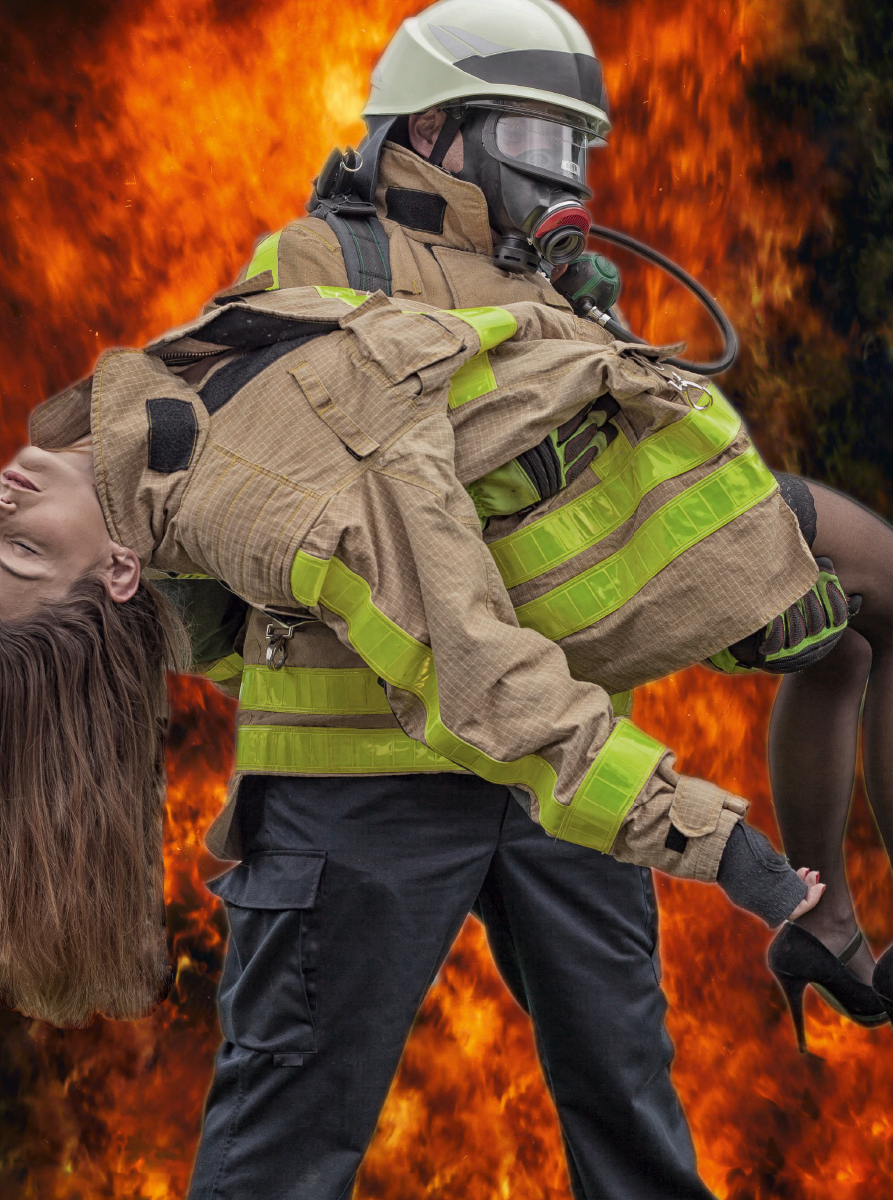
679,825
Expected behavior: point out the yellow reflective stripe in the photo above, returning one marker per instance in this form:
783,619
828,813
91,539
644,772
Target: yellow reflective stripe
223,668
473,379
622,703
492,325
319,751
627,475
684,521
347,692
266,258
348,295
621,770
308,574
408,664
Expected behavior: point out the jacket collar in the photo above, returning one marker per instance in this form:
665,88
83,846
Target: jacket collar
465,220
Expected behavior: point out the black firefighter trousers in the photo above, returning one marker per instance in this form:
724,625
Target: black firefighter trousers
350,895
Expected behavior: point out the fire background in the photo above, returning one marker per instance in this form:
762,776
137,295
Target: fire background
146,144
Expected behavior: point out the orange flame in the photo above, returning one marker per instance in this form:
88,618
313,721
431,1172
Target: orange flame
141,161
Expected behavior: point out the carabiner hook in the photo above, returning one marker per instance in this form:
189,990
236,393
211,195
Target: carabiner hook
682,386
277,651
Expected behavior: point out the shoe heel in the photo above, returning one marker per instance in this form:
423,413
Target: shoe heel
793,988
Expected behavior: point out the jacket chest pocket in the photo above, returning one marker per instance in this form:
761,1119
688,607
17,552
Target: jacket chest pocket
340,416
268,988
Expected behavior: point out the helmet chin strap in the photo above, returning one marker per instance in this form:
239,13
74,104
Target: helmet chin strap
445,138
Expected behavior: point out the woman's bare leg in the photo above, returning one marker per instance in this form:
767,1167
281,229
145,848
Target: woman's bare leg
813,735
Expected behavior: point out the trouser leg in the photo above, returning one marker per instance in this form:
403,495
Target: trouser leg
316,1007
574,935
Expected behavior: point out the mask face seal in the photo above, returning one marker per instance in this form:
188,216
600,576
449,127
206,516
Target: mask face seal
531,169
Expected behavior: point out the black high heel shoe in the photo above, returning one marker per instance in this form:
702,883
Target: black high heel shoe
797,958
882,981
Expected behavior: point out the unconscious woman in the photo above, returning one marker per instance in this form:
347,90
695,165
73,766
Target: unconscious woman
312,451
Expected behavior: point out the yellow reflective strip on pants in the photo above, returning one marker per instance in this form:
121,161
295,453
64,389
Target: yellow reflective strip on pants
223,668
622,767
291,750
348,295
408,664
347,692
681,523
627,475
266,258
492,325
473,379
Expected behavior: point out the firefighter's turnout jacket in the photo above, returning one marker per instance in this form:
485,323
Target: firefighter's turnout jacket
314,461
613,568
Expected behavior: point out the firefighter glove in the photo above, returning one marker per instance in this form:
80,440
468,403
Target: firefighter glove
804,633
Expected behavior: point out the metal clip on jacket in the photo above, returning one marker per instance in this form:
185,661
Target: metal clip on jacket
684,385
277,650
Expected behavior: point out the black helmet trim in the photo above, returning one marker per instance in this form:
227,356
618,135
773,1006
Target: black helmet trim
578,76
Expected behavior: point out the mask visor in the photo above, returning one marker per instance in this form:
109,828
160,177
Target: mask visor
542,147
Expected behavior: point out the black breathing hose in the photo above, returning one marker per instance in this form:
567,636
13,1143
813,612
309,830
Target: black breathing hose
731,341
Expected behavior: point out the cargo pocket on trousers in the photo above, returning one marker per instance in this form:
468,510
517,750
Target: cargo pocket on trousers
268,989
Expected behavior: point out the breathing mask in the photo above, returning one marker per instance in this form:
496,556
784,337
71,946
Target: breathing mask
530,163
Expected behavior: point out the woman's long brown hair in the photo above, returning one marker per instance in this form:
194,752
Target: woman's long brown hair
83,709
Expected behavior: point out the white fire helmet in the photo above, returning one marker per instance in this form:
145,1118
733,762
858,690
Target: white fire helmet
526,50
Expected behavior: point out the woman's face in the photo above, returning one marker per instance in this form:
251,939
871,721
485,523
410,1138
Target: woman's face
52,530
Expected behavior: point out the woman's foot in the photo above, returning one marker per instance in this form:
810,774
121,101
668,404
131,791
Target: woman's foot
797,959
837,936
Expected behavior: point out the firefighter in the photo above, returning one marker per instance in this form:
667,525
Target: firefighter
471,180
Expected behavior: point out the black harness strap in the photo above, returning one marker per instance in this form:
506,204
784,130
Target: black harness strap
361,237
364,245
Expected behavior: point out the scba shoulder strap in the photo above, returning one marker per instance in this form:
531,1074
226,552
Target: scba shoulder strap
354,222
364,245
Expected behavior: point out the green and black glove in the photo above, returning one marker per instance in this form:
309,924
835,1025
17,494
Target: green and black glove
545,469
800,636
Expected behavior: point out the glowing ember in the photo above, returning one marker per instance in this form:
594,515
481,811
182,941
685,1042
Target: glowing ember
141,160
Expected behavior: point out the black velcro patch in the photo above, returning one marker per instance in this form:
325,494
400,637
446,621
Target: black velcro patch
232,377
173,432
243,329
676,840
416,210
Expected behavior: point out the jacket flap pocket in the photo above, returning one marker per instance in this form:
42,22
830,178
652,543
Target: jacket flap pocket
696,806
340,423
400,343
272,879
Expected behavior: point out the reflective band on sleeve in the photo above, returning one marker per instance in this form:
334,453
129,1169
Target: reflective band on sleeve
408,664
348,295
473,379
308,574
492,325
266,258
348,692
621,770
627,475
681,523
223,668
291,750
